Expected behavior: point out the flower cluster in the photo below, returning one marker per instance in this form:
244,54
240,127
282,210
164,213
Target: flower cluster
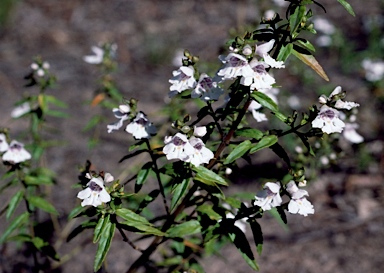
14,152
328,118
191,150
270,197
140,127
95,194
40,69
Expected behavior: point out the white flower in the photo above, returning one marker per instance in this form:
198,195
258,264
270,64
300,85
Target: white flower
20,110
3,143
178,147
269,197
201,153
253,107
199,131
97,58
141,127
298,204
16,153
122,114
350,134
235,65
182,79
328,120
206,89
346,104
263,49
374,70
95,194
258,78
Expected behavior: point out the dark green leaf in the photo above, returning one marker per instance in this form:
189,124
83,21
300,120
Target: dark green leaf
76,211
250,133
265,101
42,204
279,215
16,223
13,203
103,220
296,18
257,234
38,180
306,44
284,52
208,210
148,199
104,244
208,177
279,151
142,176
139,222
347,6
184,229
80,228
178,192
265,142
240,241
238,152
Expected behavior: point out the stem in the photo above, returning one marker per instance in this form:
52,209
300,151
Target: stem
159,239
157,176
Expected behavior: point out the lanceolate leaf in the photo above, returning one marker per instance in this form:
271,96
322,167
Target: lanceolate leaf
142,176
208,177
250,133
178,192
17,222
312,63
257,234
42,204
296,18
347,6
104,244
15,201
238,152
284,52
99,227
265,142
184,229
240,241
139,222
265,101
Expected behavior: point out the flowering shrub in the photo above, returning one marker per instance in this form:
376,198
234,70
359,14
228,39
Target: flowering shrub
191,157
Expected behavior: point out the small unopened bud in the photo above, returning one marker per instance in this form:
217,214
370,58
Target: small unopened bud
185,129
124,108
40,72
228,171
247,50
46,65
239,40
200,131
187,53
323,99
34,66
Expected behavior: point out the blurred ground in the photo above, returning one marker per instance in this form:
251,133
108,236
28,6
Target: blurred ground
346,233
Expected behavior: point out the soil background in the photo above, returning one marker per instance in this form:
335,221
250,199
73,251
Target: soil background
346,234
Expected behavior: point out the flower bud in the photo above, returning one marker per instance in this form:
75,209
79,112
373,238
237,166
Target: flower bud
247,50
323,99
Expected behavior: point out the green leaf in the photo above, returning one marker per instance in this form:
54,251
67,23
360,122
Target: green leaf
17,222
240,241
347,6
178,191
265,142
13,203
92,123
142,176
250,133
285,52
106,237
238,152
33,180
99,227
80,228
148,199
135,220
295,19
265,101
257,234
281,218
53,100
208,177
57,114
208,210
184,229
312,63
76,211
307,44
42,204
